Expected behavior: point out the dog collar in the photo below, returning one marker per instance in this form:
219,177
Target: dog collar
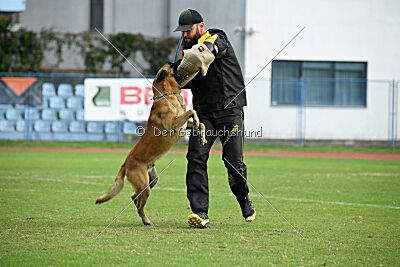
161,96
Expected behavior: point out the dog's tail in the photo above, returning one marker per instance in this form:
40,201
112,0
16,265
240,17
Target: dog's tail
115,188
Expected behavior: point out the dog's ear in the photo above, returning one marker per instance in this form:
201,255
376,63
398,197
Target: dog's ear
161,76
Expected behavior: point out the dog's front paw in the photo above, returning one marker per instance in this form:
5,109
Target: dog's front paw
195,124
196,121
202,131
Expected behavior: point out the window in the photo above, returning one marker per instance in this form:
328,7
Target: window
96,15
319,83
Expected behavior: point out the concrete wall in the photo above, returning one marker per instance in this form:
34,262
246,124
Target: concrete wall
154,18
351,30
63,16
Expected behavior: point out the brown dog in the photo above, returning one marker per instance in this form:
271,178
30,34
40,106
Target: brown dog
166,124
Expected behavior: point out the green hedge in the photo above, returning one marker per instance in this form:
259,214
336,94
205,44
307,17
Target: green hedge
23,50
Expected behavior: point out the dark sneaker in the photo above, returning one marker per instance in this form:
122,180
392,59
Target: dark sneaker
199,220
248,211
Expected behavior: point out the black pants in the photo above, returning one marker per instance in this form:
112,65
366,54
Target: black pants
228,126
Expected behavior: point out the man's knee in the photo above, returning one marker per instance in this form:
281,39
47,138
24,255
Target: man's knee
232,163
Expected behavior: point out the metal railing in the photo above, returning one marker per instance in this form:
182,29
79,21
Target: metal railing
302,94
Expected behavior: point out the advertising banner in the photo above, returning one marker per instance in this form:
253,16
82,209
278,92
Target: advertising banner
114,99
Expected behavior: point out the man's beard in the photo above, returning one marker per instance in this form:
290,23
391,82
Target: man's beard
187,45
193,41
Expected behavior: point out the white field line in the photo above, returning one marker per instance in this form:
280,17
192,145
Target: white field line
300,199
341,203
96,176
37,190
51,180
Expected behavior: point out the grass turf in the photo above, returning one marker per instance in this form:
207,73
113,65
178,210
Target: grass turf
346,208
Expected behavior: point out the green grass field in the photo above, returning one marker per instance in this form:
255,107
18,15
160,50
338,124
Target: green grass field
347,209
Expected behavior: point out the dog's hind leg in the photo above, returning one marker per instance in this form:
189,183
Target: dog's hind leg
142,199
153,175
139,179
153,179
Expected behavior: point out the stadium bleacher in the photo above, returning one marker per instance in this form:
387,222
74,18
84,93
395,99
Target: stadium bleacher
49,114
56,102
48,90
80,115
42,130
7,130
79,90
60,130
31,114
129,128
64,90
95,131
77,131
13,114
112,131
75,102
61,118
66,114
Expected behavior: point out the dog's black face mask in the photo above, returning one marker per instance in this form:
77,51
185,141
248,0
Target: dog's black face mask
175,65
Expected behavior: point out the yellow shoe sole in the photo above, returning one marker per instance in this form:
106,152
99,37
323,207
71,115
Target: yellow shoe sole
196,222
251,218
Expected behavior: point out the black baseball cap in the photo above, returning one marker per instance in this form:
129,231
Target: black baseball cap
187,19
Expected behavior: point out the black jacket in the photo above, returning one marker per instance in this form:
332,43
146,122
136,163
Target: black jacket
223,83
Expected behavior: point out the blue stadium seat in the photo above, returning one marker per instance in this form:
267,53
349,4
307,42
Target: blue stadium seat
45,103
13,114
80,115
77,127
49,114
112,127
59,126
66,114
80,90
42,126
42,129
75,102
64,90
7,126
25,128
56,102
95,131
112,131
129,128
94,127
22,126
3,110
31,114
48,89
60,130
77,131
7,131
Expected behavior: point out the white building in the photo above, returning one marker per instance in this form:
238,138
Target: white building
363,33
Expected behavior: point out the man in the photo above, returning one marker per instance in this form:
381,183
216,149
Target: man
218,98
